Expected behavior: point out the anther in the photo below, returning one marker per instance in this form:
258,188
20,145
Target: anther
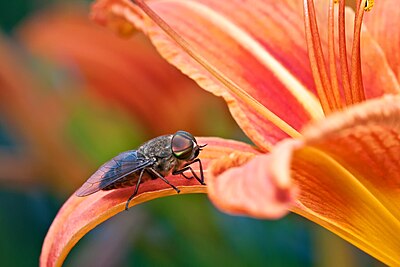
368,5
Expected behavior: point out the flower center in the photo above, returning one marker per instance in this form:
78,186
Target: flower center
332,95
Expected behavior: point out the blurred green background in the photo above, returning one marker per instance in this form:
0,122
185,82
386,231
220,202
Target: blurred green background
64,111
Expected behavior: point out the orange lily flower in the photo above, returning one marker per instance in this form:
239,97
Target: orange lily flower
327,135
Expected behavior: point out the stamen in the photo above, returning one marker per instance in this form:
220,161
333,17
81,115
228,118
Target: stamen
332,56
357,87
343,54
325,92
229,84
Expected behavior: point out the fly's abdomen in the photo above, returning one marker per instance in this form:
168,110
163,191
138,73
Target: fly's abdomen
128,181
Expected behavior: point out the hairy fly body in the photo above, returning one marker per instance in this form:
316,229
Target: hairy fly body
157,158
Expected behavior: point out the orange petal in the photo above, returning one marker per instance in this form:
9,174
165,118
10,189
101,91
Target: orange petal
127,72
349,176
248,184
250,44
347,172
81,214
372,131
383,23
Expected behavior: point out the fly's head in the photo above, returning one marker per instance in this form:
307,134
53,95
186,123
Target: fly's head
184,146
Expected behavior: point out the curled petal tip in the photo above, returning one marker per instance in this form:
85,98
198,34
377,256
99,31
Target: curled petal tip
280,162
243,184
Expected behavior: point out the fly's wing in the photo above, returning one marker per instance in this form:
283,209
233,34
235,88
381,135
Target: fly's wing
113,170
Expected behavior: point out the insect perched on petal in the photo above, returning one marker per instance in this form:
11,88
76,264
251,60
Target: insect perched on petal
157,158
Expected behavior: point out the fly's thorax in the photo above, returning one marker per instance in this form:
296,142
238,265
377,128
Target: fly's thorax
158,147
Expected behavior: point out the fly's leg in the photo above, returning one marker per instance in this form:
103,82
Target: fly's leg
136,189
187,167
183,174
163,178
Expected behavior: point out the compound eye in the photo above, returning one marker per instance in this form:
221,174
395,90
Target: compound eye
182,145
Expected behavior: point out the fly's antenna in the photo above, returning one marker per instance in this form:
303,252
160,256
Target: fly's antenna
202,146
